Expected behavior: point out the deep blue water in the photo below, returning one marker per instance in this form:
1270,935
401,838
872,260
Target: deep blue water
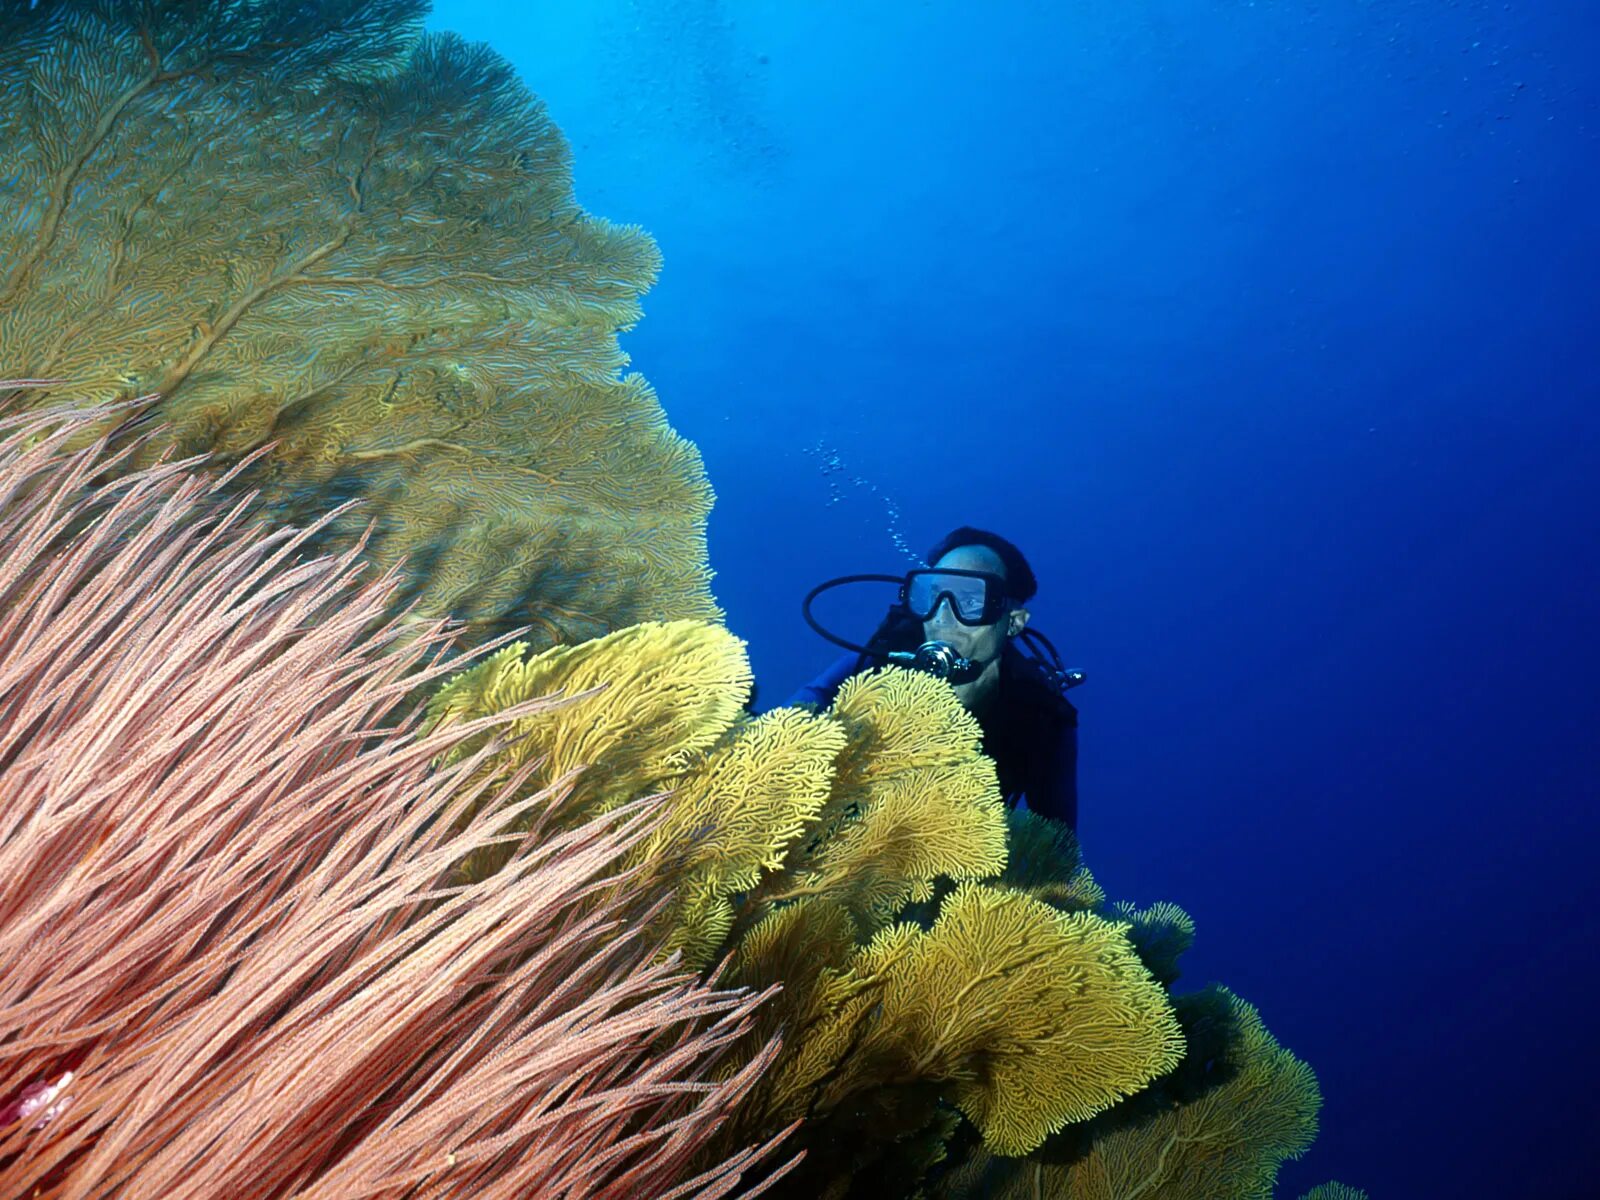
1270,332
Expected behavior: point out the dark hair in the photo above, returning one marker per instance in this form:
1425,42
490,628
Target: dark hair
1020,583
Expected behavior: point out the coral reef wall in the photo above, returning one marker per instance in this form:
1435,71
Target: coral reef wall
310,226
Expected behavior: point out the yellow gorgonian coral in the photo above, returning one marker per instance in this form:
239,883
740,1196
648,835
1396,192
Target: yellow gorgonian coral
1026,1017
1221,1128
733,816
658,707
800,840
1037,1017
315,228
639,705
913,800
802,947
900,722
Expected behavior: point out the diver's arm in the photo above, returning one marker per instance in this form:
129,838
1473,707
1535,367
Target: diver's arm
819,693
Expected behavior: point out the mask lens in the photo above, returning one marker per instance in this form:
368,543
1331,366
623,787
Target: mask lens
968,595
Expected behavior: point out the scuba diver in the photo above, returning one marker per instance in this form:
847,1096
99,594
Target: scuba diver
962,619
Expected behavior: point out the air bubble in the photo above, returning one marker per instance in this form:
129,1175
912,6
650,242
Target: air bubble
831,465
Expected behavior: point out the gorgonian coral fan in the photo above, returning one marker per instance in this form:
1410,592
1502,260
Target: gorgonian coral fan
314,228
1218,1126
836,827
236,959
940,959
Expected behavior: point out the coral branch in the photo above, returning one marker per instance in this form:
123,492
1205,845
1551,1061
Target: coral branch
236,960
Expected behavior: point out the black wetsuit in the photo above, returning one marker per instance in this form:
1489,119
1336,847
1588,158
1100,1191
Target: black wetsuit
1030,729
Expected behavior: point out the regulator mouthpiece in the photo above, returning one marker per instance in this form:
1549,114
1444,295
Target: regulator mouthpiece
940,660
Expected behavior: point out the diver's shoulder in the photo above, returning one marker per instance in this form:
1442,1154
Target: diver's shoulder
1037,687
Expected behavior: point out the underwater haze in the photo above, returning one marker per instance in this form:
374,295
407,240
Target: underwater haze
1269,331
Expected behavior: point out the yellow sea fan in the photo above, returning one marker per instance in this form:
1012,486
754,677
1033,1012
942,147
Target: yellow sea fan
697,920
658,708
753,795
490,686
913,799
642,703
796,947
902,721
913,828
1050,1014
839,1059
1029,1018
1259,1109
1270,1093
734,814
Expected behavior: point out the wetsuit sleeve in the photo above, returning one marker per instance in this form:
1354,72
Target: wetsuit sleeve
819,693
1058,790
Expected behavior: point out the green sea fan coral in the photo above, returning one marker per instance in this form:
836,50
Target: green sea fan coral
1160,935
313,227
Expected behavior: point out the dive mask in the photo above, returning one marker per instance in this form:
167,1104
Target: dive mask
976,597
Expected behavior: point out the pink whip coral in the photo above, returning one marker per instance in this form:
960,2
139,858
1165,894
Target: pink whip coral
234,960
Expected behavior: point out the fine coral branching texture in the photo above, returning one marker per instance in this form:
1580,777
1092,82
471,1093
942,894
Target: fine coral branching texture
913,800
1219,1126
851,858
312,227
1030,1018
236,962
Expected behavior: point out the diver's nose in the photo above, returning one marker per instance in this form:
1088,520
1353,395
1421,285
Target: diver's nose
943,617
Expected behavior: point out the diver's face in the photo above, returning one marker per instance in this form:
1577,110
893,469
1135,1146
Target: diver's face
982,642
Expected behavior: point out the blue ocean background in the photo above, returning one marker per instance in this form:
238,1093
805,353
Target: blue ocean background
1270,331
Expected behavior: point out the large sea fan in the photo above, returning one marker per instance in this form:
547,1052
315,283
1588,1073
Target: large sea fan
231,966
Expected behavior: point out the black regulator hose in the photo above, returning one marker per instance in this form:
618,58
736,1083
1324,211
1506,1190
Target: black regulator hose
816,626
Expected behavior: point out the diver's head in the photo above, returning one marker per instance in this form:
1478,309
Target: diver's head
978,607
